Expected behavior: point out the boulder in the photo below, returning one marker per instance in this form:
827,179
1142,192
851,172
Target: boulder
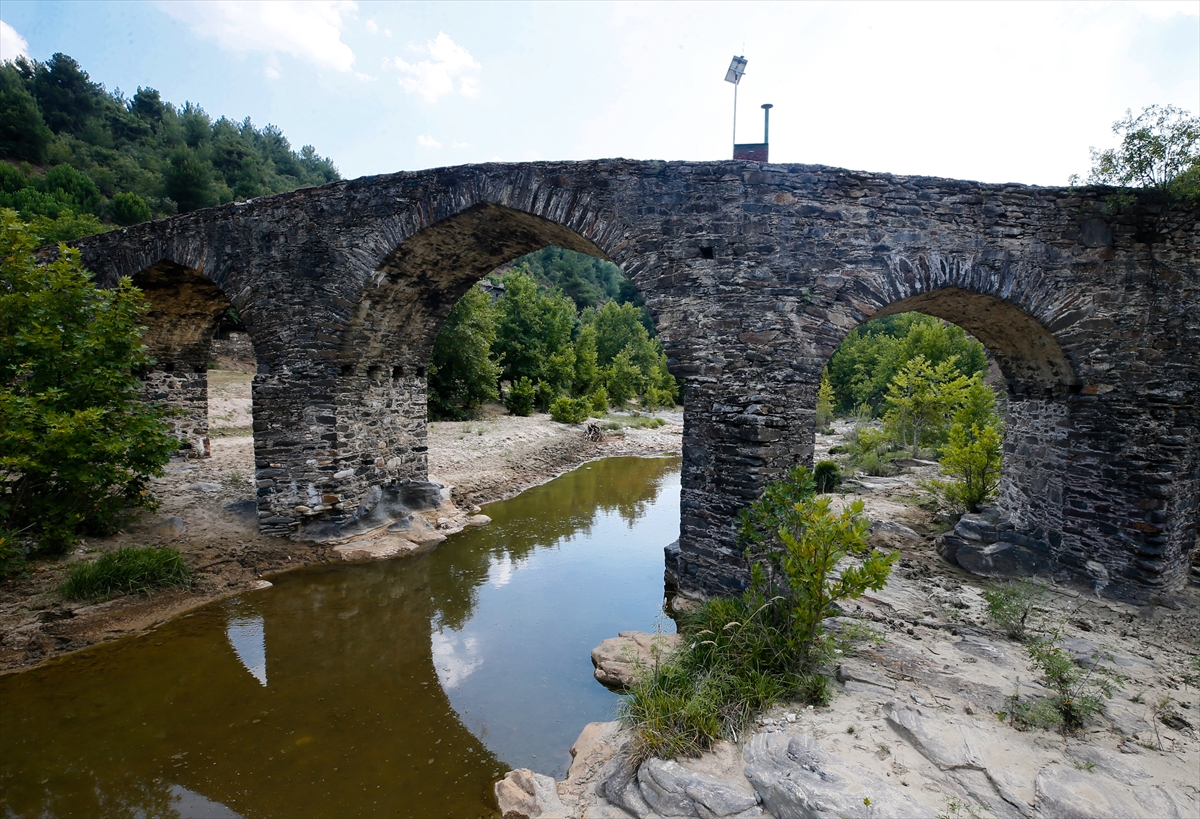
795,777
890,527
672,790
1005,558
618,659
170,527
523,794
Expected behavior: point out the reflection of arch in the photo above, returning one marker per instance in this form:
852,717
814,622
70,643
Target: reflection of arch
183,309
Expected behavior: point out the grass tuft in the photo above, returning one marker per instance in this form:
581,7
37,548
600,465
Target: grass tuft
130,570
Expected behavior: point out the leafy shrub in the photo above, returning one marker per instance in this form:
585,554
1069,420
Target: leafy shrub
741,655
870,450
77,443
128,209
566,410
1077,693
1010,605
973,460
519,400
12,556
827,476
129,570
599,399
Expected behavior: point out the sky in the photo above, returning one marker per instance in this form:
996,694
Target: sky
995,92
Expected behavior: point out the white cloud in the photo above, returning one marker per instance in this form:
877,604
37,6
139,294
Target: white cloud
372,27
310,31
426,141
12,45
455,657
436,76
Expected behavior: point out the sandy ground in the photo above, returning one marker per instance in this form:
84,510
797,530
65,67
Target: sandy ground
485,461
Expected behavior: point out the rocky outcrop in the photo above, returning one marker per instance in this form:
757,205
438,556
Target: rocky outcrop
618,659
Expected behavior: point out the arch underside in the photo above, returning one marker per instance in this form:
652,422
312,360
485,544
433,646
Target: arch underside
1032,360
183,309
416,285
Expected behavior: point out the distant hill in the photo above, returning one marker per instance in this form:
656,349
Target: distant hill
79,159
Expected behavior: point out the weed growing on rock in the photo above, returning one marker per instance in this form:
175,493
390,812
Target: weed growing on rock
1009,607
1077,692
129,570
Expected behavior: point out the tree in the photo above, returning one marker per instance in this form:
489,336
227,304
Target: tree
534,336
1159,152
865,363
23,133
462,372
77,444
921,401
824,403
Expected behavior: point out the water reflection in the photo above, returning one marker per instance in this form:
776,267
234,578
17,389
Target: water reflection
396,688
246,635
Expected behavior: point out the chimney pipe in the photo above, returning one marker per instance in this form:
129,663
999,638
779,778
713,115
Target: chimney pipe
767,123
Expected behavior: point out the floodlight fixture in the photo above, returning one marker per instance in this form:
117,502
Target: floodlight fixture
736,69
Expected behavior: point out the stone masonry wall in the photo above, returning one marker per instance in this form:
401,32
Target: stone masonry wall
753,273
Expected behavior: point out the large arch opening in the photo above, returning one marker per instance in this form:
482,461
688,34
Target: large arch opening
999,367
382,397
204,367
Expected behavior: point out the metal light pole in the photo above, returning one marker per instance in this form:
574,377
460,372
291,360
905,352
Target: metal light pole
734,75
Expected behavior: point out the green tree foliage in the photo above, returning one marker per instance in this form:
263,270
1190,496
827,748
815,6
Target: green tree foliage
23,132
462,372
520,397
825,408
586,280
921,401
973,452
1159,152
77,444
90,146
870,356
566,410
535,335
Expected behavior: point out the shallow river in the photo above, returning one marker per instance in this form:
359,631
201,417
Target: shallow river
401,688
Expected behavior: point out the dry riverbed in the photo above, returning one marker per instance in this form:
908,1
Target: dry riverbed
207,513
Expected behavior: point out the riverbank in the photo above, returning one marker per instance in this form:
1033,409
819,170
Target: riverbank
921,722
207,512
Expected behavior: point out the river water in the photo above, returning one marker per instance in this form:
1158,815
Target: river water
399,688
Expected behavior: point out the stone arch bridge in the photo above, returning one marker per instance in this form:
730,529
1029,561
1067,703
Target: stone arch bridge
754,273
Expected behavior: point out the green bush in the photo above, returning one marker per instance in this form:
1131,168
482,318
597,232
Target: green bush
519,400
741,655
12,556
1077,692
827,476
130,570
972,459
1009,607
870,450
566,410
128,209
78,445
599,400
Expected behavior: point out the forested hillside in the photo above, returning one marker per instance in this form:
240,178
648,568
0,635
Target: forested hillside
78,158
